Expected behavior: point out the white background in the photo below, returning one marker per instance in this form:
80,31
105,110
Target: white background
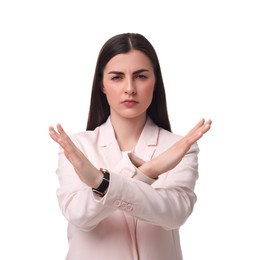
209,56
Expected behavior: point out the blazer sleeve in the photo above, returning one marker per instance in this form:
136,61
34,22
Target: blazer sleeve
77,201
167,202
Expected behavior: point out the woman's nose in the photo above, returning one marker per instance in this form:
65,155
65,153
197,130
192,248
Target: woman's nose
130,88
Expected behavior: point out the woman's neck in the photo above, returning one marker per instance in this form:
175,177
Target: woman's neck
127,130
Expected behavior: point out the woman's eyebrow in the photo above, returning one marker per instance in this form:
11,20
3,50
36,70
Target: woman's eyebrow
140,71
121,73
116,72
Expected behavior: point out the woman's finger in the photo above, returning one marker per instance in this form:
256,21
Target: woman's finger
197,126
136,160
198,131
64,140
53,134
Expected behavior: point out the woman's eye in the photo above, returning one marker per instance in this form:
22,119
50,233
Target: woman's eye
116,77
141,76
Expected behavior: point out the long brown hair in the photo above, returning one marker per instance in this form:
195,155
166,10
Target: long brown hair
123,43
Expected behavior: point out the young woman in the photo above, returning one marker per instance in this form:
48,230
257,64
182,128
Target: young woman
127,183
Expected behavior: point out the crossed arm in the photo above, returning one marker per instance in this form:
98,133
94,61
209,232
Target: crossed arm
162,163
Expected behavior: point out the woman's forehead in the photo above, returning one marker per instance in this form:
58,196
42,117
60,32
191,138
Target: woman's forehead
133,60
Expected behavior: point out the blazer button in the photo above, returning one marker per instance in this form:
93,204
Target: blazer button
129,207
123,205
117,203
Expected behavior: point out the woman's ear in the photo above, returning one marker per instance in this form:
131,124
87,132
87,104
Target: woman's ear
102,88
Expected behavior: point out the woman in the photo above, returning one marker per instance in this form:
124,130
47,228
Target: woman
127,183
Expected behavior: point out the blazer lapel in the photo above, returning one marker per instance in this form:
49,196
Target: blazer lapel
147,143
110,150
108,144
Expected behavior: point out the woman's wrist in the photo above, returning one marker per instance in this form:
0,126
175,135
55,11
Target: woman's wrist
98,179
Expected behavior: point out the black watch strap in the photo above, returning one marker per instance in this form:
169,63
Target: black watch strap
104,184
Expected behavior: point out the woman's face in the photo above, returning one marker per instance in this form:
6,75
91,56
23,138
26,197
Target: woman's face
128,83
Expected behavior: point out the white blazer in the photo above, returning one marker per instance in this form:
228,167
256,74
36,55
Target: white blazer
138,218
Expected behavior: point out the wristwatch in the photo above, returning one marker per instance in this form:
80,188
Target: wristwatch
104,184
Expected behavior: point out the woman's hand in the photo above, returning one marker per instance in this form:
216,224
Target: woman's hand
83,167
173,155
